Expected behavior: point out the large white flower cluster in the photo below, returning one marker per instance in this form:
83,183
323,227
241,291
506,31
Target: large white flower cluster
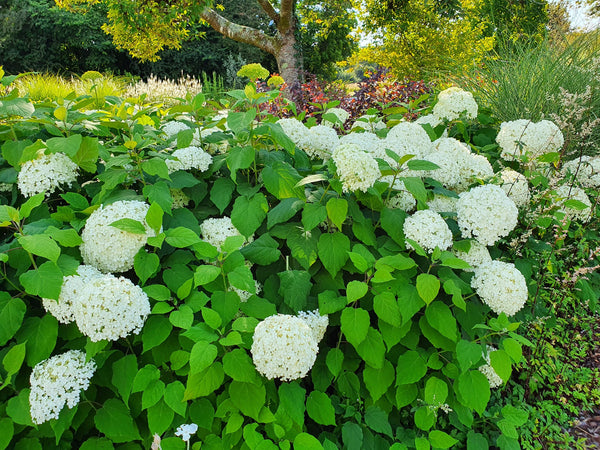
407,138
216,230
110,308
296,131
428,229
357,169
110,249
453,102
340,113
458,166
70,292
585,169
317,323
102,305
516,187
369,142
321,142
477,255
46,173
284,347
501,286
403,199
486,213
369,122
173,127
58,381
520,137
189,158
567,192
489,372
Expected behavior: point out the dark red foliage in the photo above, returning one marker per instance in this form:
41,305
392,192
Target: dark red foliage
378,90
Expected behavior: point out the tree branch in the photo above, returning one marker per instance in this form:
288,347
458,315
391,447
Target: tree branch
240,33
268,8
286,13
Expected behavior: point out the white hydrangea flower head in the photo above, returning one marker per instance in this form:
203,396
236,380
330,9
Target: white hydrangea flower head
110,249
57,381
357,169
428,229
567,192
516,187
430,119
245,295
212,148
501,286
110,308
71,289
6,187
403,199
520,137
369,122
283,347
296,131
321,142
442,203
585,169
317,323
486,213
340,113
453,102
216,230
458,165
368,142
189,158
46,173
173,127
180,200
407,138
489,372
477,255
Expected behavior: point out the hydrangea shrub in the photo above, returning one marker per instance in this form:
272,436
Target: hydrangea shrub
289,303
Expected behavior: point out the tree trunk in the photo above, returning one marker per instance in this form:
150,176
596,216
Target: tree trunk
288,58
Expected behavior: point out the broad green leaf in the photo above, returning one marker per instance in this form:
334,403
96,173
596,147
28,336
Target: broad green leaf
295,286
468,354
411,368
419,164
18,408
263,251
501,363
45,281
440,317
416,187
406,394
202,356
320,409
155,331
124,371
12,311
312,215
239,121
284,211
160,416
13,360
428,287
144,377
40,245
352,436
29,205
439,439
153,393
436,391
425,418
7,430
518,417
41,335
386,307
159,193
238,365
239,158
356,290
392,222
173,397
156,166
241,278
87,155
337,211
145,264
66,238
281,179
305,441
204,383
221,192
378,381
115,421
181,237
355,325
372,349
67,145
129,225
476,441
474,389
248,397
513,349
248,213
333,251
303,246
205,274
183,317
334,361
377,420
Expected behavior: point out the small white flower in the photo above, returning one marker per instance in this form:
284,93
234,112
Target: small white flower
356,168
189,158
185,431
487,369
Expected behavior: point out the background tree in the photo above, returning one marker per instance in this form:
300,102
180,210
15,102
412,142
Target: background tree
144,27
